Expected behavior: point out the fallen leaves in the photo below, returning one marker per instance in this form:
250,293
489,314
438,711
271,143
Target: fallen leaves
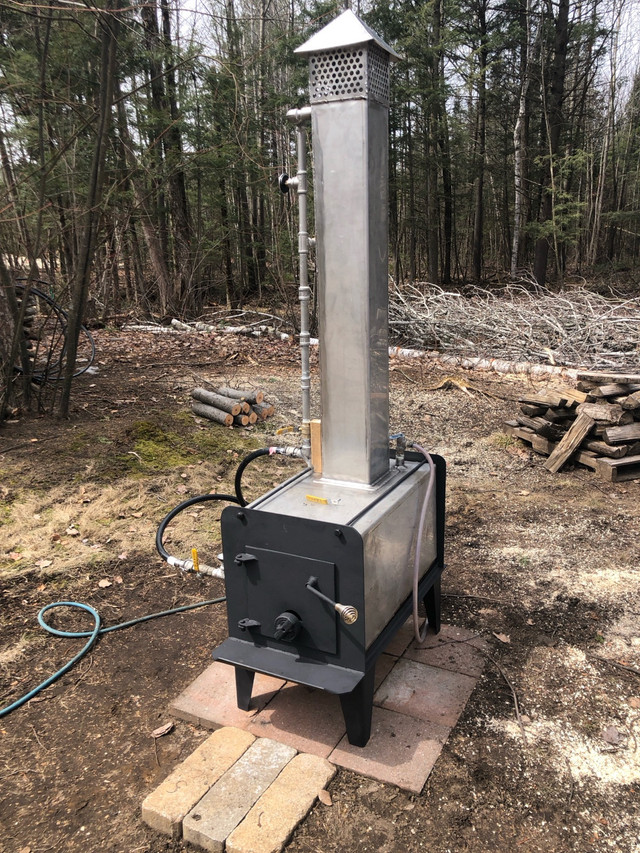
104,583
162,730
504,638
611,735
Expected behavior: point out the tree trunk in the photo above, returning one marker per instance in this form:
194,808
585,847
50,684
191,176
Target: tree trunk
478,217
554,122
520,139
110,25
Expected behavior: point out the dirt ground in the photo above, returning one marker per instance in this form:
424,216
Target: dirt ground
545,567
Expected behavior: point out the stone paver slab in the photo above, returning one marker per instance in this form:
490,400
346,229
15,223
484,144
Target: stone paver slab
210,700
309,720
425,692
455,649
401,751
401,639
272,820
223,807
384,665
165,808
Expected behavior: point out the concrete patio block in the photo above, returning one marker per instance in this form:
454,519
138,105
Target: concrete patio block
401,750
308,720
165,808
223,807
272,820
425,692
210,700
454,649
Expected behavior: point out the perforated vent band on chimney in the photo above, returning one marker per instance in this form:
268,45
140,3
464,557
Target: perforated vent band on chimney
343,74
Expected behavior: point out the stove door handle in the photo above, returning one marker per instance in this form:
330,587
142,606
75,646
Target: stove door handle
347,612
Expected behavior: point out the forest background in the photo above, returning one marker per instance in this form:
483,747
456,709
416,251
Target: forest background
140,147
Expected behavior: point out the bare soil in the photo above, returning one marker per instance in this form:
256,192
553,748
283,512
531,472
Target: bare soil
545,567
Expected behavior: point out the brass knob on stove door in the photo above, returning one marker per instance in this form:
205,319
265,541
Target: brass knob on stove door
347,612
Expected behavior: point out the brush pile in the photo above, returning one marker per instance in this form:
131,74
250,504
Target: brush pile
574,328
596,424
230,406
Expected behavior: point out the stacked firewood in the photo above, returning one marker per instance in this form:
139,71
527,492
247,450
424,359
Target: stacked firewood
230,406
596,424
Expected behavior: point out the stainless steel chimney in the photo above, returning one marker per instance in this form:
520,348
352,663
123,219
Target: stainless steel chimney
349,93
322,571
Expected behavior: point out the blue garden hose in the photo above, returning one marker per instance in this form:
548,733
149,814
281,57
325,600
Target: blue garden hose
92,635
97,630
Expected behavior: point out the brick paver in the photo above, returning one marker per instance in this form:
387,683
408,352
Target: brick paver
165,808
272,820
221,809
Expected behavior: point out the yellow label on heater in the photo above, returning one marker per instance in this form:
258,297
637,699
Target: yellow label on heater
316,500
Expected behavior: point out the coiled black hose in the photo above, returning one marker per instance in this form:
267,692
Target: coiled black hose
264,451
53,371
180,508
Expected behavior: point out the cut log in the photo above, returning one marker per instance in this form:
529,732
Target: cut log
532,411
211,414
548,399
604,449
610,413
541,427
578,431
263,410
576,396
233,407
620,434
253,418
237,394
599,377
632,403
241,420
612,390
560,413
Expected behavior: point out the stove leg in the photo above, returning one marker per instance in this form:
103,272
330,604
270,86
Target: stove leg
432,606
357,708
244,686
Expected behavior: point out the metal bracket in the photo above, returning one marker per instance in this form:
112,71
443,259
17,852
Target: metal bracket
243,559
248,624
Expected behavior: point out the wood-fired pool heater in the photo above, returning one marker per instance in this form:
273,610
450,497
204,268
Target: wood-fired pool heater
319,572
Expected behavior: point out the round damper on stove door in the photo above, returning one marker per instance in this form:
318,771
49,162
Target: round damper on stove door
287,626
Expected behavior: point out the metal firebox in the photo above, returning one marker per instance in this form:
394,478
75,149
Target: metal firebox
322,571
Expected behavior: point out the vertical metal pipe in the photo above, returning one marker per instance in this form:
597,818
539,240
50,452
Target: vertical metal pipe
304,291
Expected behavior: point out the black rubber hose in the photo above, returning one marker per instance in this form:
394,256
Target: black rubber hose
62,317
264,451
178,509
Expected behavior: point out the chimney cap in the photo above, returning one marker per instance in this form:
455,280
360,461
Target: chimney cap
344,31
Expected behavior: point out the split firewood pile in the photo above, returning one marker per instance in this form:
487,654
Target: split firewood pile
230,406
596,424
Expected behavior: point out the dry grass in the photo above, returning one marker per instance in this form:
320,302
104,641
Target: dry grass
72,526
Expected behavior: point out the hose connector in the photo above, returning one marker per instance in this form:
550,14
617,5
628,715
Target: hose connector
286,451
401,446
190,566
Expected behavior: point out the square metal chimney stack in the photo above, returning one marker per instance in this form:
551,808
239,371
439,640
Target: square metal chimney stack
349,93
